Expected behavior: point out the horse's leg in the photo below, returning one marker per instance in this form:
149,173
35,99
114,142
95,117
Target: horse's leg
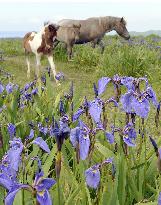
93,45
94,42
38,65
28,64
52,65
102,45
69,51
65,46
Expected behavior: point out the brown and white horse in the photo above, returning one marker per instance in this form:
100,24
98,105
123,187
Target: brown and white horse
40,44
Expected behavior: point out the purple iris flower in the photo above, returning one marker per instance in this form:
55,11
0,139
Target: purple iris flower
128,83
110,137
92,176
34,91
41,186
61,107
134,102
41,143
141,107
11,160
42,129
85,103
31,135
11,130
95,109
9,88
102,84
59,76
152,96
95,90
116,78
43,79
51,131
128,141
27,86
130,131
28,96
7,171
13,191
108,161
1,88
61,131
14,153
80,136
129,135
126,101
77,114
6,181
99,126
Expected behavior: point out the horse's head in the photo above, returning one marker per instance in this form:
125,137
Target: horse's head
76,31
50,31
120,28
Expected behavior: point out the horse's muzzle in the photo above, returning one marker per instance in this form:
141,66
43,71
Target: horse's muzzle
127,38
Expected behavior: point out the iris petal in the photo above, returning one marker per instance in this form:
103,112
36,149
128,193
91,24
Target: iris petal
92,176
44,198
11,195
84,144
41,143
110,137
141,108
95,109
102,83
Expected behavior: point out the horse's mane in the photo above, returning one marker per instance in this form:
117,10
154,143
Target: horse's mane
111,20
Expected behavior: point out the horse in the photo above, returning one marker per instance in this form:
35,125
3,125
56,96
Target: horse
40,43
94,29
68,35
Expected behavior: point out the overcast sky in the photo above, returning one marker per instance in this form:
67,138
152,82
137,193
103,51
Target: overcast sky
28,15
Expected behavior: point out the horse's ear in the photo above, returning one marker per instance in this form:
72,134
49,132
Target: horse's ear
51,27
122,19
76,25
46,22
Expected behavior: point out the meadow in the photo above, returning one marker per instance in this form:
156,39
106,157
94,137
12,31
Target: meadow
92,140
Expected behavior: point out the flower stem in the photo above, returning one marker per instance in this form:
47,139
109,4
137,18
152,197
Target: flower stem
58,187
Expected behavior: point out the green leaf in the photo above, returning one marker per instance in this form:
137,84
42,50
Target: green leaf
49,161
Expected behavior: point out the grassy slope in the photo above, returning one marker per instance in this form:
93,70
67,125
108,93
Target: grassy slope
89,64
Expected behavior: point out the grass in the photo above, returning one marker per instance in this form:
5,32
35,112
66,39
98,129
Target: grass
137,180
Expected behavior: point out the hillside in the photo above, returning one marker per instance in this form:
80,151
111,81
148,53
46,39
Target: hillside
146,33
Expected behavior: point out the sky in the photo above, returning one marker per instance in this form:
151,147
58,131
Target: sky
29,15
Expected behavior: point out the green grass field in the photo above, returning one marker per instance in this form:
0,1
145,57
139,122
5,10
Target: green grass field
136,179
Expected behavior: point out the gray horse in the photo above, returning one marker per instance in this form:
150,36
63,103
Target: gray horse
68,35
94,29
